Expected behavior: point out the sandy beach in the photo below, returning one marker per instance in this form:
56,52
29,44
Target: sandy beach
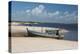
30,44
21,43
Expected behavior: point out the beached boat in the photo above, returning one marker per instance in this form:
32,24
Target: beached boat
48,33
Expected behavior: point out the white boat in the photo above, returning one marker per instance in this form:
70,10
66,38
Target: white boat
48,33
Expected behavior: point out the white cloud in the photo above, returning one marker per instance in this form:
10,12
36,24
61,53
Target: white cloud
37,10
41,7
41,12
56,13
28,11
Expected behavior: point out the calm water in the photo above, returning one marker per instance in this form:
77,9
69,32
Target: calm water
71,35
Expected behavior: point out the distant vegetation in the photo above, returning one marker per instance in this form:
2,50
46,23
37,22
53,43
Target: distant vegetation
24,22
33,22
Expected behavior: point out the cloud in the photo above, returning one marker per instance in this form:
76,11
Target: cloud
37,10
28,11
53,13
41,12
58,16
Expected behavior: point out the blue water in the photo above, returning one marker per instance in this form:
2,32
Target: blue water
71,35
72,28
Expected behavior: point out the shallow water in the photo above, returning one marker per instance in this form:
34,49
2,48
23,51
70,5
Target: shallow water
71,35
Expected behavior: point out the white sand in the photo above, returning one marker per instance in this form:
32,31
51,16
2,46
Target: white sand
18,28
29,44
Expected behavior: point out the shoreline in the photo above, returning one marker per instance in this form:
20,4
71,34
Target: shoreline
22,30
22,43
18,29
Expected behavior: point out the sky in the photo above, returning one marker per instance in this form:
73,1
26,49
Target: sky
44,12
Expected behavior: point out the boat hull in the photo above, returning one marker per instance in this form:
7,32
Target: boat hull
35,34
